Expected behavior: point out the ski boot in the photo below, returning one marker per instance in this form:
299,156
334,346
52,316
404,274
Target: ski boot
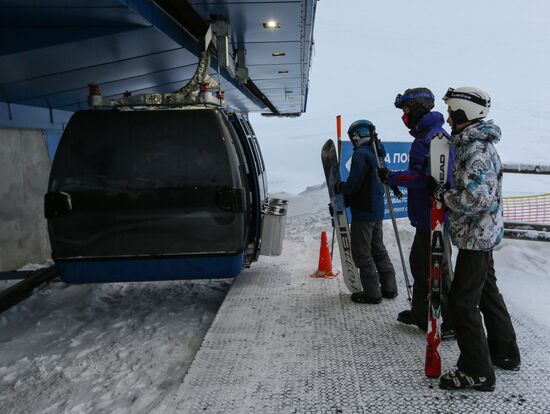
362,297
458,380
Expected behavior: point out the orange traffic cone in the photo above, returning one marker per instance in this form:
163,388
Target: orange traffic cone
324,269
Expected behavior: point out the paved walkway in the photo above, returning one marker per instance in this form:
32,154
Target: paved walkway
285,343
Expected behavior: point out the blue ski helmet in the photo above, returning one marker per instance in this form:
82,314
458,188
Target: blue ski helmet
361,129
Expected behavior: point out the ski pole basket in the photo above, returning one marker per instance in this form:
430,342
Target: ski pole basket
273,226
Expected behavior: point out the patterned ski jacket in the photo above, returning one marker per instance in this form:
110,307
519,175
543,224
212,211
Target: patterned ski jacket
363,188
414,178
475,201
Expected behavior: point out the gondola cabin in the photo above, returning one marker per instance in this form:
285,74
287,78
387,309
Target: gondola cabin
157,195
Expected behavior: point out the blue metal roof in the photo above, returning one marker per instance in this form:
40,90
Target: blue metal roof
50,50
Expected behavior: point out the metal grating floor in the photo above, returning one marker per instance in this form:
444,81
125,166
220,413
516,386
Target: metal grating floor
285,343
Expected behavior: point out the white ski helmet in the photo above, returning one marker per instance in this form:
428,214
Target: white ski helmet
467,104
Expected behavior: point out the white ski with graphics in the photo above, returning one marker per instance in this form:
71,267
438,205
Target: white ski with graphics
439,164
340,219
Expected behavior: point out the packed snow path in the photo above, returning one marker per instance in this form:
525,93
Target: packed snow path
283,342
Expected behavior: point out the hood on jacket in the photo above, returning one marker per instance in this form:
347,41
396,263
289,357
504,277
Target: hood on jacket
431,120
485,131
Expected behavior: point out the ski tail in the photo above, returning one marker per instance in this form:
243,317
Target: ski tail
432,367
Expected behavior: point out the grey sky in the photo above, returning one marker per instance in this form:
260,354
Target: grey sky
368,51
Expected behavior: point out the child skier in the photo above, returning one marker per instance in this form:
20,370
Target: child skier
366,195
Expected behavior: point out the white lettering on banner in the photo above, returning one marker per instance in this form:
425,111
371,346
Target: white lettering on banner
387,158
400,157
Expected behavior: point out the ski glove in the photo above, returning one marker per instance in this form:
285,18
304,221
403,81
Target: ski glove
438,190
383,174
396,191
338,187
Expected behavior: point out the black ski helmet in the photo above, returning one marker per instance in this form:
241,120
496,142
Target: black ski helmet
359,130
420,101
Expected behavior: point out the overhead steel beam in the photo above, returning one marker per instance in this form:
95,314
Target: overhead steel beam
185,15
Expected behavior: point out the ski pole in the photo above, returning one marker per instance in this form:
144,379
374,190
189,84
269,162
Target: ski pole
339,139
394,222
331,211
332,243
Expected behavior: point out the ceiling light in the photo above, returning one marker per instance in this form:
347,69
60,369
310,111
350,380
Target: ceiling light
278,54
272,24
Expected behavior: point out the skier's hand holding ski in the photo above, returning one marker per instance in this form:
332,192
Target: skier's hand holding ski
438,190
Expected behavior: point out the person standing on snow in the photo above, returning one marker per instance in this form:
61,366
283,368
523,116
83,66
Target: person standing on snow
476,227
366,195
424,124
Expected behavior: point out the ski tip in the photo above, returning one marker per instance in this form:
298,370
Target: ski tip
440,136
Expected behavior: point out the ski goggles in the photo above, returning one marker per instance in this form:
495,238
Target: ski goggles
451,94
401,100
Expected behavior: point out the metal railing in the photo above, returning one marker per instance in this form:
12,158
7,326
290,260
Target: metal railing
527,217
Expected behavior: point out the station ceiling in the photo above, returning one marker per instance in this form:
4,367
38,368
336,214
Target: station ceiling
50,50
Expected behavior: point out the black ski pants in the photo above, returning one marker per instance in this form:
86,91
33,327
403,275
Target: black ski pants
419,259
371,257
474,289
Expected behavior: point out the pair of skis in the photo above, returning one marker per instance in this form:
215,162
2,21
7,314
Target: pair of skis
331,168
439,163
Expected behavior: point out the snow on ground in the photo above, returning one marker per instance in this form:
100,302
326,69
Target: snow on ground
102,348
125,348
